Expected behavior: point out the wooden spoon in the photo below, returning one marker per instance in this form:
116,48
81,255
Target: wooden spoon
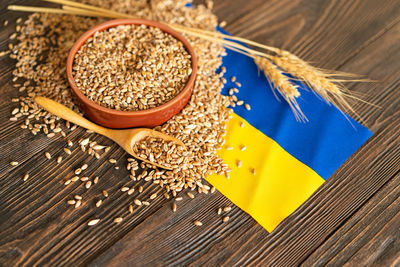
125,138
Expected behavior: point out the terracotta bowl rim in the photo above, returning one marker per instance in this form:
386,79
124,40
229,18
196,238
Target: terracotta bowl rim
117,22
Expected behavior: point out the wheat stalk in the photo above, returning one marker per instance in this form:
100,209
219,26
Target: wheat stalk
272,62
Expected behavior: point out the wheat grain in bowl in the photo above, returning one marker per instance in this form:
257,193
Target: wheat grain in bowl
131,67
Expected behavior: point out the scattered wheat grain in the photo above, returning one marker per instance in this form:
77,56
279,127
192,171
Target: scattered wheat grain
93,222
174,207
197,223
130,191
124,189
78,204
239,163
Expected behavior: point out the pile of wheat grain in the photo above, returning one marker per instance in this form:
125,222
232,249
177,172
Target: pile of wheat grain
43,43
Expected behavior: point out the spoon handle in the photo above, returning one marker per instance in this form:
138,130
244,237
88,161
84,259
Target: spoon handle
67,114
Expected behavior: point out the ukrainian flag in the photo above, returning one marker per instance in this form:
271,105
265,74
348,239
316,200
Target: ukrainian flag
291,159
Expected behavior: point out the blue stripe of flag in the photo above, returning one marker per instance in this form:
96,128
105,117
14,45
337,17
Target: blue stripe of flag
324,143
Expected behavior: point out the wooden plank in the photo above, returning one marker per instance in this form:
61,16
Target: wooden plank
37,227
370,229
369,169
167,238
344,245
383,248
302,232
323,32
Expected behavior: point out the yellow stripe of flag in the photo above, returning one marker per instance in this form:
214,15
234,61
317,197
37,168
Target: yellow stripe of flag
281,184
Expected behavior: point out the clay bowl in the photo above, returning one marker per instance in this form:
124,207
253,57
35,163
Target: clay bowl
112,118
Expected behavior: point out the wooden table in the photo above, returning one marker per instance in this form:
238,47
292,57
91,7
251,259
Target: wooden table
352,219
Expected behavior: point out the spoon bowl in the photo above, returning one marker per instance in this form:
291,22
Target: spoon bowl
126,138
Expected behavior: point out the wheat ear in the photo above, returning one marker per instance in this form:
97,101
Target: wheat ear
323,82
280,82
318,80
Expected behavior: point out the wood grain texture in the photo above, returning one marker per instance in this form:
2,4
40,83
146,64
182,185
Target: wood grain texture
353,218
364,238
